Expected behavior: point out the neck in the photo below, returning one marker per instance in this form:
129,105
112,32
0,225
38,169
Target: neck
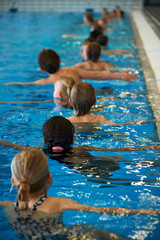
37,195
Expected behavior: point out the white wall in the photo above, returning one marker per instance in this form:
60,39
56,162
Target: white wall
68,5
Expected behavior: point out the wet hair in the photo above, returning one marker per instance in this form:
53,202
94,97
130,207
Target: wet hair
93,51
58,131
29,170
89,17
104,11
96,31
88,40
102,40
82,98
65,85
49,60
102,22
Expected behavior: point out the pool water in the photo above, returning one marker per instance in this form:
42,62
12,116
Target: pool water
111,179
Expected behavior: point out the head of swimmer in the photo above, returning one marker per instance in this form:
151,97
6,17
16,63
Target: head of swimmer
63,87
58,132
49,61
30,174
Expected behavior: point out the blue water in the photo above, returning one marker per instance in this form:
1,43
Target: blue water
133,178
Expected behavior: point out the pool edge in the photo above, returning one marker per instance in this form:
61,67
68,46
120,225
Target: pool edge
149,50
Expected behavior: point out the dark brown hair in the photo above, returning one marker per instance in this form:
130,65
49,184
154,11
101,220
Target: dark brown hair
102,40
49,60
89,17
58,131
82,97
93,51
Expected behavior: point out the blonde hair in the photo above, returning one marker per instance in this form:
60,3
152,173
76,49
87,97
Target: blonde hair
83,98
29,171
65,85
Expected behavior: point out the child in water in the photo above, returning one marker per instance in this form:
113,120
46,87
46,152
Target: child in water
49,61
58,135
92,57
62,91
82,99
61,94
102,40
35,214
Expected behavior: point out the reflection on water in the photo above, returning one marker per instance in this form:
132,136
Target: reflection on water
121,179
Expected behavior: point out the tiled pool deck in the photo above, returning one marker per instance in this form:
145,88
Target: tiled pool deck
150,59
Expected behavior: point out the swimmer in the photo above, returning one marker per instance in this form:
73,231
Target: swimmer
37,215
103,41
92,56
61,94
49,61
58,135
82,99
101,22
88,19
104,24
96,31
84,47
62,91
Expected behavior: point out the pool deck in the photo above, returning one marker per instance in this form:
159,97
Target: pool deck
151,45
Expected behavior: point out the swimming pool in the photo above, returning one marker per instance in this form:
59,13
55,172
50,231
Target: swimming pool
132,179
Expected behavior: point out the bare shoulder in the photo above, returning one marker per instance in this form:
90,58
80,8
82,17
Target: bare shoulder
97,118
56,204
103,119
83,65
73,119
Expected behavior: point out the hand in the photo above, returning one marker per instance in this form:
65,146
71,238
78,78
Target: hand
127,76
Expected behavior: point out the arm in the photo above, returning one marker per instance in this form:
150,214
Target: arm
69,204
90,148
23,102
12,145
107,98
116,51
103,75
70,35
137,122
43,81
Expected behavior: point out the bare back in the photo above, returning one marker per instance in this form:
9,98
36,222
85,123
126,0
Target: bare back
90,118
63,72
90,65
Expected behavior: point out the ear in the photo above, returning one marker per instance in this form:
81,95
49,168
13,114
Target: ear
70,102
12,181
42,70
49,179
61,95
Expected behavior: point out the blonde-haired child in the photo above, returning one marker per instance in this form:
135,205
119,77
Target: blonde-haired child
38,215
63,87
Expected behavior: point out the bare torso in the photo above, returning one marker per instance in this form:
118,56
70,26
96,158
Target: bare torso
90,65
62,72
90,118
